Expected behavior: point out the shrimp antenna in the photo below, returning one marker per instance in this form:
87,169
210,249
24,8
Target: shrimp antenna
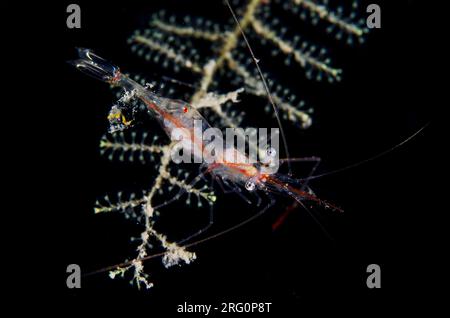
381,154
266,87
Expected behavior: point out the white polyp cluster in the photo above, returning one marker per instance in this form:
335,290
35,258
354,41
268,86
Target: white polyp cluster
290,107
125,204
176,254
308,56
130,147
341,21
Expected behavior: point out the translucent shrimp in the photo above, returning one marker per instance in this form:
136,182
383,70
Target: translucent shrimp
176,114
254,178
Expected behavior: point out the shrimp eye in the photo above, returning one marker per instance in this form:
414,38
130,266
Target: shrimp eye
250,185
185,109
271,152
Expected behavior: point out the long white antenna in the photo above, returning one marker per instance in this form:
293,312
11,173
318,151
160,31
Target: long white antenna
266,87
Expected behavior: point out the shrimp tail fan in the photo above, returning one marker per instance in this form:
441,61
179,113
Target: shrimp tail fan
95,66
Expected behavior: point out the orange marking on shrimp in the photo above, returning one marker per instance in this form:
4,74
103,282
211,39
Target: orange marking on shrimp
172,119
177,123
234,166
237,166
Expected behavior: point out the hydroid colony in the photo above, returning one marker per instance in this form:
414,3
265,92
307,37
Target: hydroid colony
221,67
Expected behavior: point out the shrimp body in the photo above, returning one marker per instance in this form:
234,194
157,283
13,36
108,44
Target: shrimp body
178,115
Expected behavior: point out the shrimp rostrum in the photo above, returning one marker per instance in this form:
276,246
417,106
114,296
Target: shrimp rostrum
185,127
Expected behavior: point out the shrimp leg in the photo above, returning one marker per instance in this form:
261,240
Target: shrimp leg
224,186
258,197
255,216
317,160
238,191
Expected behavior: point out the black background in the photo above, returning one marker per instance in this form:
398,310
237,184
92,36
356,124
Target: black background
389,217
